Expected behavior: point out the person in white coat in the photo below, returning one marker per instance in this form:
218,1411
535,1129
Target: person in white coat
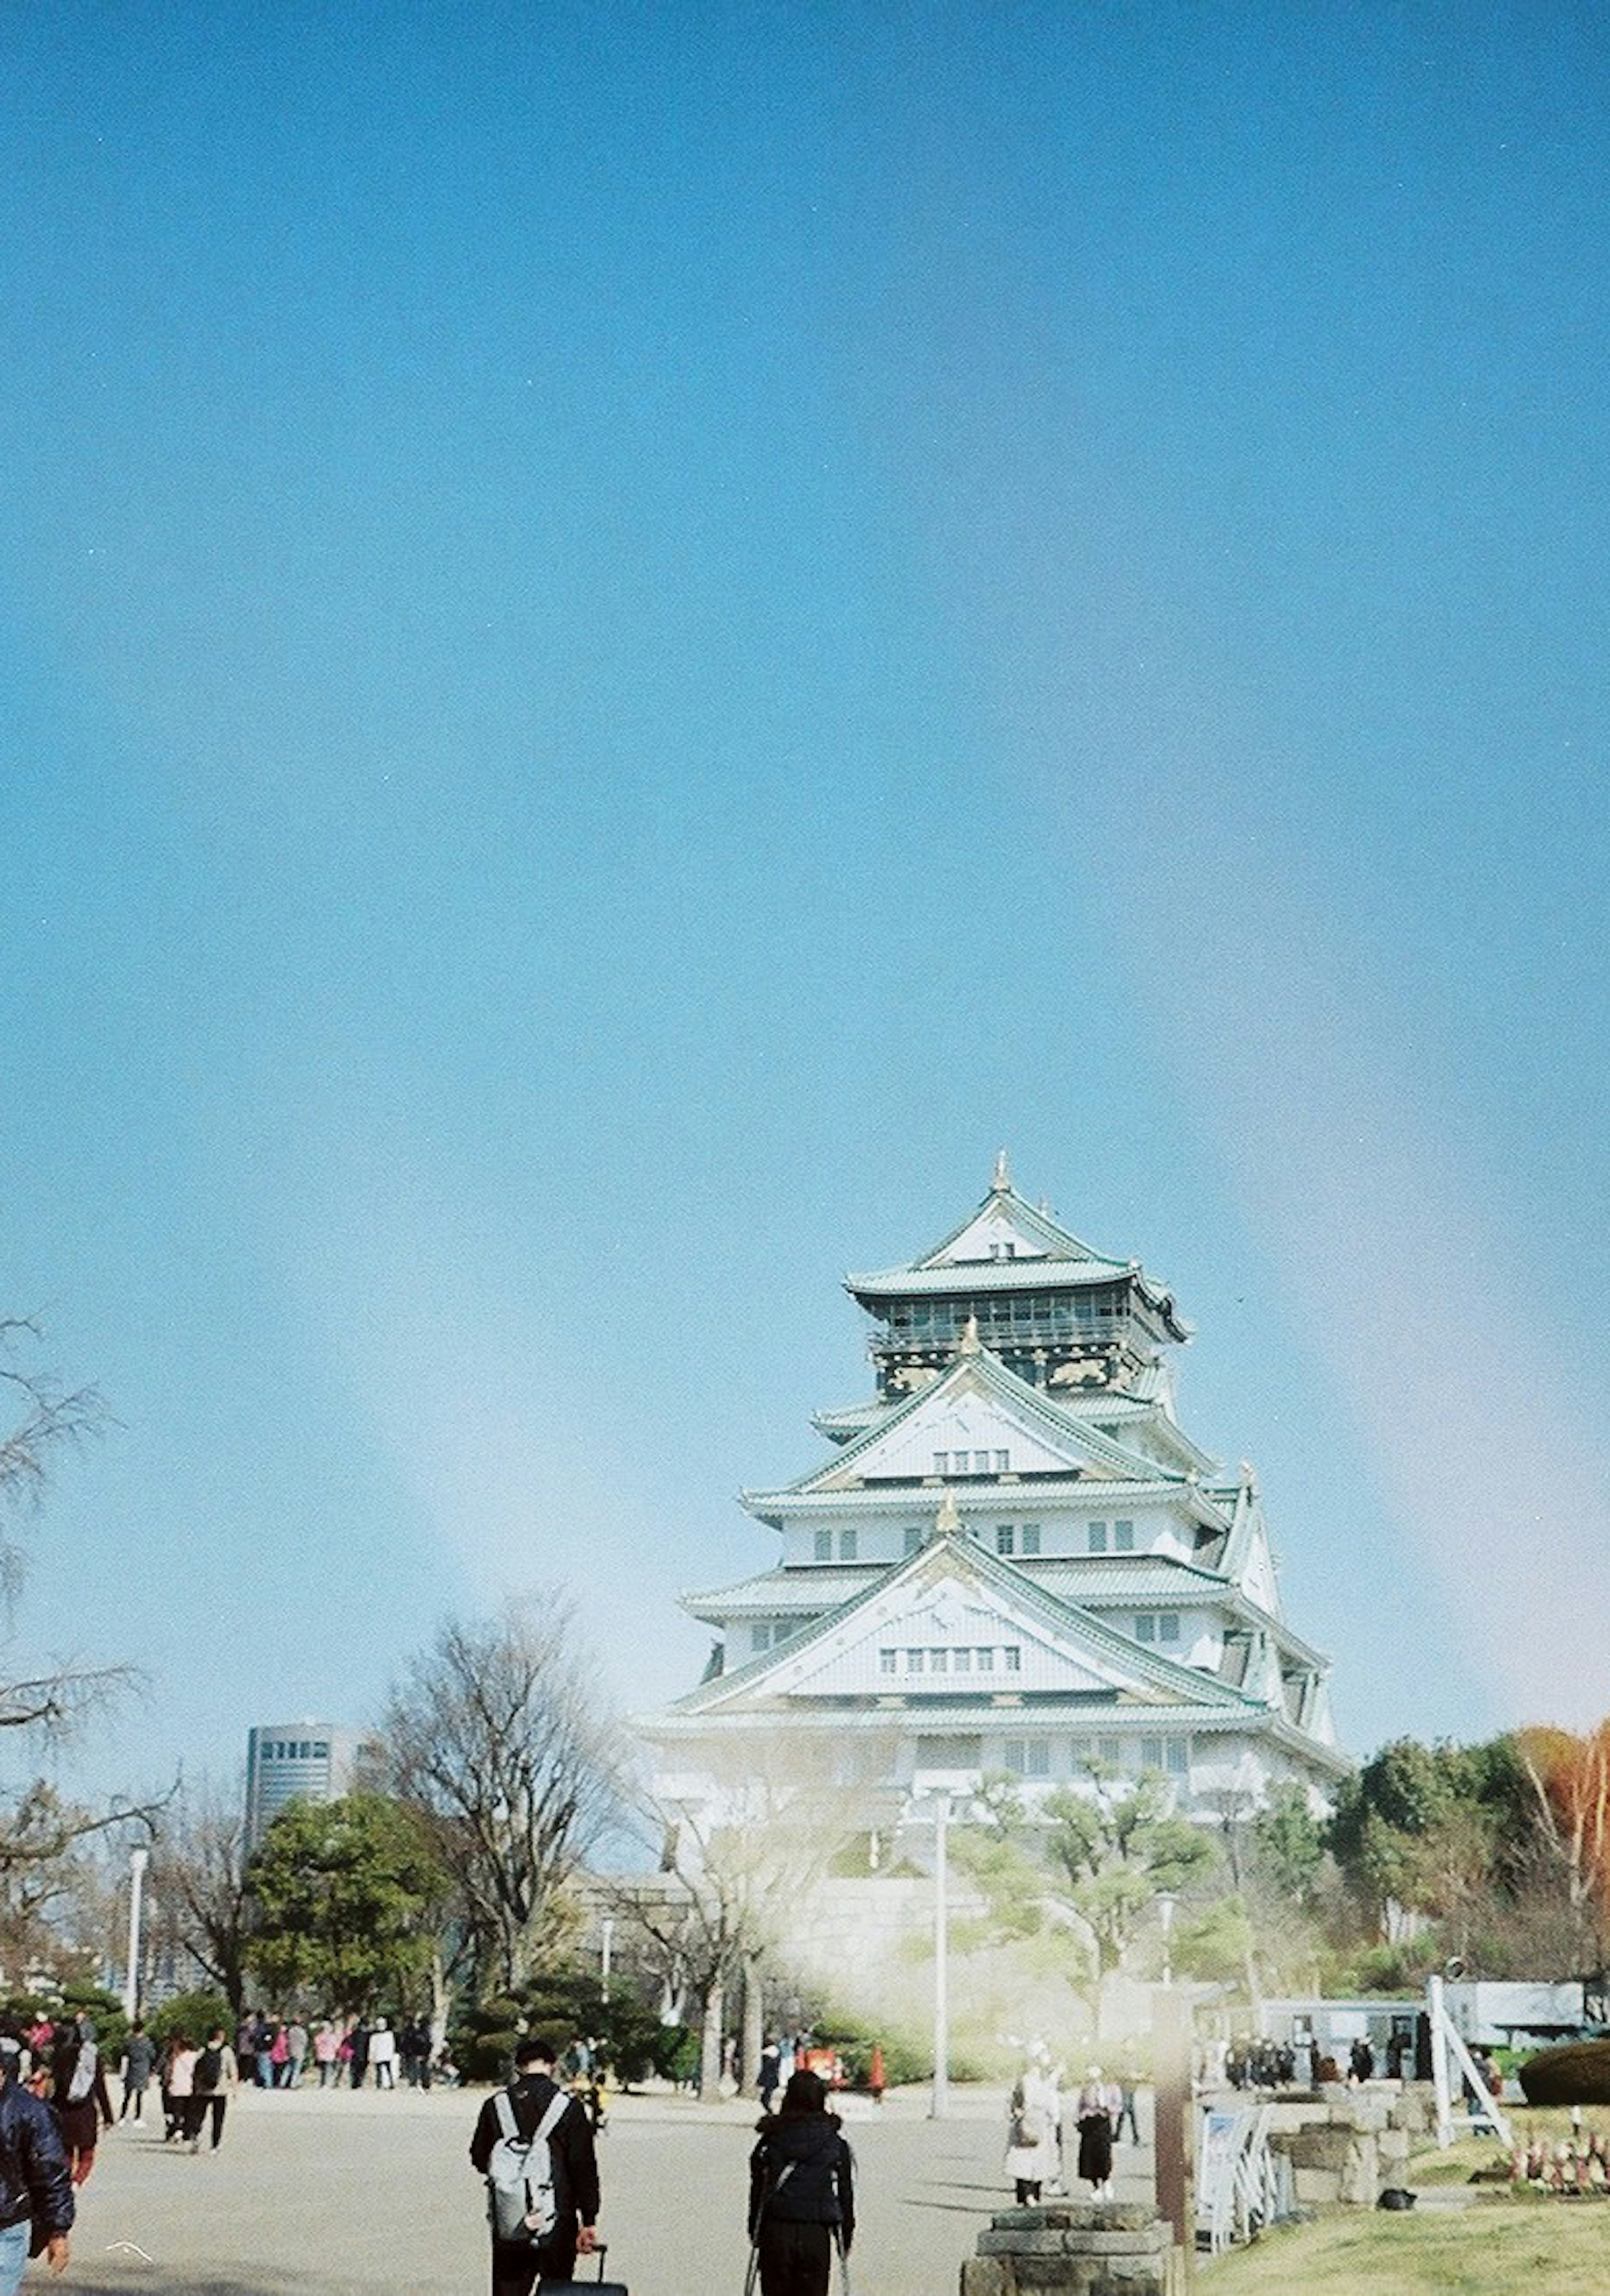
1034,2130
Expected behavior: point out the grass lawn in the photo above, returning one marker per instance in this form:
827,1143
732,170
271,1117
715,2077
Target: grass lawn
1501,2243
1558,2249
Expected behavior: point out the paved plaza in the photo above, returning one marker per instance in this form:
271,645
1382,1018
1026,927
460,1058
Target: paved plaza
343,2195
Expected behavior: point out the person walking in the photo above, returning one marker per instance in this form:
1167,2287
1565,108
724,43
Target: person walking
296,2051
534,2105
78,2098
358,2063
801,2191
214,2079
178,2087
36,2189
139,2056
1033,2130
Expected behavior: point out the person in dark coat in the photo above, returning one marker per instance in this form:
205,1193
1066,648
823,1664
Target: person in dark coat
801,2191
36,2191
1096,2111
78,2098
518,2265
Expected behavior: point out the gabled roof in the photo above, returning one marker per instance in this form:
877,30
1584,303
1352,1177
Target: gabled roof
1064,1437
1008,1244
1075,1637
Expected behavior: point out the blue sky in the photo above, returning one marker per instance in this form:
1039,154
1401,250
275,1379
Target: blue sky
631,636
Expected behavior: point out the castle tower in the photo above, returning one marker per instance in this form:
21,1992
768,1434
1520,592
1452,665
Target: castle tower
1013,1560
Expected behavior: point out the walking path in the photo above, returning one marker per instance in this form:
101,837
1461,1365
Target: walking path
337,2194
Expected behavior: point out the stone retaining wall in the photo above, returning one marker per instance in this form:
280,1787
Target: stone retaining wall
1346,2144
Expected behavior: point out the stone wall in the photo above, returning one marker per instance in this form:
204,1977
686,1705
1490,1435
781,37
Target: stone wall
1347,2145
1110,2248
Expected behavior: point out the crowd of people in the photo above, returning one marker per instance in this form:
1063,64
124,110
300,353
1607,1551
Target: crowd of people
340,2052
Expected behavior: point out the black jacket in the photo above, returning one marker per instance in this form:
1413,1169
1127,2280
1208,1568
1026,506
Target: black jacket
34,2181
819,2187
575,2162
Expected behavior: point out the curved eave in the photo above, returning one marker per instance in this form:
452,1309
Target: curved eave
924,1497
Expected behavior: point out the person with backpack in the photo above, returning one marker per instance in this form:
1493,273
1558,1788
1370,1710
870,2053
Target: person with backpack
533,2143
215,2075
78,2097
801,2191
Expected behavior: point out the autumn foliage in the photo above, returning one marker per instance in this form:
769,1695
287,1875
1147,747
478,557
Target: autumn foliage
1571,1775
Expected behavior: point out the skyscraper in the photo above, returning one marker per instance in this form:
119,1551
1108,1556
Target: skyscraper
297,1761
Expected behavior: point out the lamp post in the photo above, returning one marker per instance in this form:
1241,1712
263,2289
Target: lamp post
1166,1903
941,1950
608,1929
137,1861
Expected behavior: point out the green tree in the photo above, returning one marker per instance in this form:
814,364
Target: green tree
348,1895
1116,1849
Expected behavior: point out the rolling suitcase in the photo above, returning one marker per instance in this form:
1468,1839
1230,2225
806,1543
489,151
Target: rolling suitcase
598,2287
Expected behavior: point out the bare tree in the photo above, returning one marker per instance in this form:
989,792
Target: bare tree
737,1861
494,1736
199,1898
40,1833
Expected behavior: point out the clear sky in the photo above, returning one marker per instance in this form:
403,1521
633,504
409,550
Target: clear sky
631,635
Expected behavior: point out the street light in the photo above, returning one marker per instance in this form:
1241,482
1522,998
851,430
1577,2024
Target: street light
137,1859
1166,1903
942,1955
933,1807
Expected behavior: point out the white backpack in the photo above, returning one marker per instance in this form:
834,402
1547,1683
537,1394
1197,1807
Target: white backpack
519,2175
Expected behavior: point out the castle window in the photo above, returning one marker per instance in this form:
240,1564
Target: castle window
759,1637
912,1537
1168,1627
1005,1538
1098,1538
848,1544
986,1661
1003,1463
1027,1758
1013,1658
823,1547
964,1660
1123,1538
885,1661
1030,1535
939,1661
1177,1757
1145,1627
914,1661
941,1462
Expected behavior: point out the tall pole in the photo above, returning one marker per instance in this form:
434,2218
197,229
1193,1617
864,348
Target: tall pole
137,1859
1172,2131
603,1972
942,1968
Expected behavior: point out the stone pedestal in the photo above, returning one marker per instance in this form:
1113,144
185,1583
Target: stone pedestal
1112,2248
